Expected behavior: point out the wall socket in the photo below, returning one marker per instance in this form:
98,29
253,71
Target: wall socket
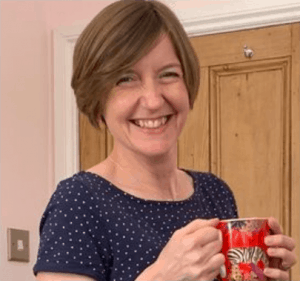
18,245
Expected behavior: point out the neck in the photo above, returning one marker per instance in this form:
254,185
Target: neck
156,176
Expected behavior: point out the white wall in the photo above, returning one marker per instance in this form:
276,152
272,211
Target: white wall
27,171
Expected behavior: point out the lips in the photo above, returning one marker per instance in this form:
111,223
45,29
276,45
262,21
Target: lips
151,123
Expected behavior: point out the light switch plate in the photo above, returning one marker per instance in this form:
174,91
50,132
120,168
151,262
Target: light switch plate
18,245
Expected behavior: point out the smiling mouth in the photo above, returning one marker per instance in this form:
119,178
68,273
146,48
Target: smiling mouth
149,124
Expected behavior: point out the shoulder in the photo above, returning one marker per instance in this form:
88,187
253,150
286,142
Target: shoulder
78,192
207,179
74,186
75,203
83,191
211,181
81,184
215,191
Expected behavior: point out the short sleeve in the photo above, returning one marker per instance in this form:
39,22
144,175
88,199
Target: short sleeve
72,238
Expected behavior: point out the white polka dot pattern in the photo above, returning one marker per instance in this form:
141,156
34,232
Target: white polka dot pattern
91,227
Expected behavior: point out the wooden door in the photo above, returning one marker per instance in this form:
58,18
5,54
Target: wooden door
95,145
245,123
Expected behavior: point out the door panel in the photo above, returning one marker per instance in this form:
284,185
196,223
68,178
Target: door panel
250,137
266,43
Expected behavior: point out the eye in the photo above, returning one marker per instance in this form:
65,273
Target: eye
170,74
125,80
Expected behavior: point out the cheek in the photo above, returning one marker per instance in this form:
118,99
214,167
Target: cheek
180,98
118,107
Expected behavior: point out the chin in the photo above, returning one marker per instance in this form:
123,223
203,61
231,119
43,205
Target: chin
156,150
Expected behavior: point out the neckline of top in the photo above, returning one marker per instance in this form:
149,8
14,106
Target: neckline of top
143,200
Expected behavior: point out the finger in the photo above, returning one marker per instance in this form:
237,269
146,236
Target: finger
288,258
280,240
204,254
197,224
211,249
275,273
207,235
200,238
212,274
214,266
274,225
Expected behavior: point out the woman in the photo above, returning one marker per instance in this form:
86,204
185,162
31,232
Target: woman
136,216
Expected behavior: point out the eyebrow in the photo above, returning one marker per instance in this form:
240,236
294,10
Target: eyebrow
169,65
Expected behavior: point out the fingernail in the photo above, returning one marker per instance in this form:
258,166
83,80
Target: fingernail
223,271
267,271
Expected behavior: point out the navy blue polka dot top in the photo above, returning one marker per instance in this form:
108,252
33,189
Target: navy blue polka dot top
90,227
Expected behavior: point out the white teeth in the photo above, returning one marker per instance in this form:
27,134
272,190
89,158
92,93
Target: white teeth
151,124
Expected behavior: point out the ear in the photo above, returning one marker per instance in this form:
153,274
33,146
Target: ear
102,123
102,120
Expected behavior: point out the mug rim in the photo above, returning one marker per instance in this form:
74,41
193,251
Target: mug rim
245,219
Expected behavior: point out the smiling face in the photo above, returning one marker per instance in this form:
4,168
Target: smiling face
148,107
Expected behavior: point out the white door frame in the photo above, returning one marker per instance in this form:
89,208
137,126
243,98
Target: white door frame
65,111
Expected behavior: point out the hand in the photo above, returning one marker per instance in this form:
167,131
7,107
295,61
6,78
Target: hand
192,253
281,252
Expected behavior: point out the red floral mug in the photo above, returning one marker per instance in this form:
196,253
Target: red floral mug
244,248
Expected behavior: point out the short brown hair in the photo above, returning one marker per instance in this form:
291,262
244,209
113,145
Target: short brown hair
120,35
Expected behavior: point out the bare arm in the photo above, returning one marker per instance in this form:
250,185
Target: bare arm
50,276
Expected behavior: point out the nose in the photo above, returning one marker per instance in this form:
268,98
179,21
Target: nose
152,95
